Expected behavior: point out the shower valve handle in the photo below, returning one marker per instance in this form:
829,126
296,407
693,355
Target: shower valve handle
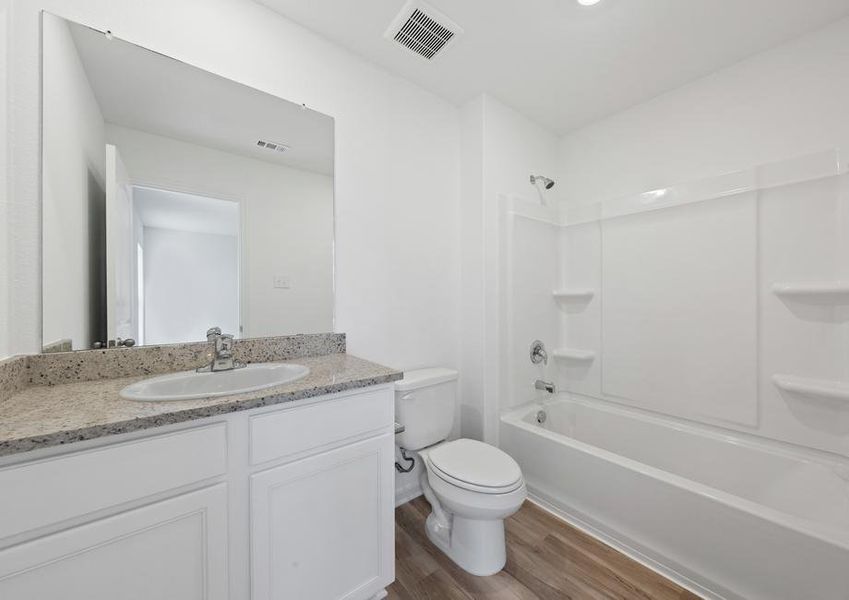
538,353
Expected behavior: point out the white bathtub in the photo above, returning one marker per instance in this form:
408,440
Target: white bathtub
730,517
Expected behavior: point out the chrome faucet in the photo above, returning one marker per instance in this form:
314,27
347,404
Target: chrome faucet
222,352
544,385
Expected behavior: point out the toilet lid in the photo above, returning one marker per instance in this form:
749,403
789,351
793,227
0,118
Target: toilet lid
475,465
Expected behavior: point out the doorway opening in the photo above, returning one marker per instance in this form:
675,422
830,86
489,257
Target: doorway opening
188,261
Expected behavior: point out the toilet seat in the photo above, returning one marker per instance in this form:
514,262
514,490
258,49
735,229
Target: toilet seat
475,466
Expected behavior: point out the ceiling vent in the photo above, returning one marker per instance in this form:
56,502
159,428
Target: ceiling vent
277,147
422,29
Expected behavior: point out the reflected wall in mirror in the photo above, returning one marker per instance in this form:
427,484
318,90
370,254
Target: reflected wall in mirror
175,200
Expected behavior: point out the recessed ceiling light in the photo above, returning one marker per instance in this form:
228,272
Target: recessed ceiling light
588,2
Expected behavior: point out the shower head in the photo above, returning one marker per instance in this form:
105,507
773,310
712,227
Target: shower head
548,183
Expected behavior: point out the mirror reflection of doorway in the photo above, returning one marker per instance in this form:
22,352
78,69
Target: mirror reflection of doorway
187,257
116,116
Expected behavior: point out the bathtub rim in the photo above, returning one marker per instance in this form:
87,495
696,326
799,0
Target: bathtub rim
800,525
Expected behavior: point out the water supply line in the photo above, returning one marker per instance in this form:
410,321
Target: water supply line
411,462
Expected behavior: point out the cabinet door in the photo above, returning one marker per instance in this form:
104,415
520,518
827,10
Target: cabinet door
174,549
323,528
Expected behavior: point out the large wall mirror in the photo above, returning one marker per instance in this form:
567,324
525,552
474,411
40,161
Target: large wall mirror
175,200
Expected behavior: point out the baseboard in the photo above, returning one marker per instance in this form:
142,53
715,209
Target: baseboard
404,495
626,548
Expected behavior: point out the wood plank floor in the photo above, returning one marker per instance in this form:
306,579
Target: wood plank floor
547,559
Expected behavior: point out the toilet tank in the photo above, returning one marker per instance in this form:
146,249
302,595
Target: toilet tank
425,405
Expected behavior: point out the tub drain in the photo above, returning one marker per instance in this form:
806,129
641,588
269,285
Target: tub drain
541,417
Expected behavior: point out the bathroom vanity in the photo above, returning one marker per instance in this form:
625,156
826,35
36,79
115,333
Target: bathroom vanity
281,493
188,203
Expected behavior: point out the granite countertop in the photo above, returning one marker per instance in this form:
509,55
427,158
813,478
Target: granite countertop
40,416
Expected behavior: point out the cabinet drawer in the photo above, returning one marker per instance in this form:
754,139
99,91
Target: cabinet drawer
299,430
53,490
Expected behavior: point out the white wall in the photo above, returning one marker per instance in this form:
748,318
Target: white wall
73,193
5,211
785,102
472,299
397,164
501,149
288,227
182,271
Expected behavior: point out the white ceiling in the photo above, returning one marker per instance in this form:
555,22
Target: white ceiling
566,65
144,90
185,212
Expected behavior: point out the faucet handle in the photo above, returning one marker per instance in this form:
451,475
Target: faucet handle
213,332
538,353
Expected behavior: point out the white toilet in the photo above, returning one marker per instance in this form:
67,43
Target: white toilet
471,486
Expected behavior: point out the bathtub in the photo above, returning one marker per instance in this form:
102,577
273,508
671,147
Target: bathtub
726,516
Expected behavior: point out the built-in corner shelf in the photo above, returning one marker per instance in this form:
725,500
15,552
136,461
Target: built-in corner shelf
827,292
813,388
574,354
574,294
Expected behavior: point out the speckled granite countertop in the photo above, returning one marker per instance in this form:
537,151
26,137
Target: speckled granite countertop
40,416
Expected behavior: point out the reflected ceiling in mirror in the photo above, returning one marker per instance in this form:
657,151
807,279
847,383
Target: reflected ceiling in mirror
175,200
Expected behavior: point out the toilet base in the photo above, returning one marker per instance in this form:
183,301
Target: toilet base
477,546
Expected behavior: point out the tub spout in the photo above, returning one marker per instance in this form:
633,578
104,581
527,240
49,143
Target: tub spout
544,385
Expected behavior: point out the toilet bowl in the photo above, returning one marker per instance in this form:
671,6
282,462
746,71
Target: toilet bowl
471,486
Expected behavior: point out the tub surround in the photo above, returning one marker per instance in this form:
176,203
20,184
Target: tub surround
57,399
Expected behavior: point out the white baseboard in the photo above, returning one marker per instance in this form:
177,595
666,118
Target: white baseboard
404,495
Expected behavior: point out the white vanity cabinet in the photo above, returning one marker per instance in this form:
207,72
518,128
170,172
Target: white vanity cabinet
322,527
145,518
176,548
289,502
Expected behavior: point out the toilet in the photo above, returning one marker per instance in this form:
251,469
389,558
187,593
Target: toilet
471,486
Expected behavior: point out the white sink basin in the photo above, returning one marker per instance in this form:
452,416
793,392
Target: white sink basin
190,385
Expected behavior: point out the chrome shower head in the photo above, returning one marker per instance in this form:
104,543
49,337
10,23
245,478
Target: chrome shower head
548,183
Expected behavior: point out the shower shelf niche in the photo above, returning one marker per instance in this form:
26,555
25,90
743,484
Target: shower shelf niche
574,294
813,388
574,354
831,292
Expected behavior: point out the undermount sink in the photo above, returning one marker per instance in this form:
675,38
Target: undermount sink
191,385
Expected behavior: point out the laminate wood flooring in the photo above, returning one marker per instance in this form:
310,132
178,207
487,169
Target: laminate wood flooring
547,559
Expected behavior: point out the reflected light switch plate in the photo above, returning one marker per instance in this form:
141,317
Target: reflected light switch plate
282,282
